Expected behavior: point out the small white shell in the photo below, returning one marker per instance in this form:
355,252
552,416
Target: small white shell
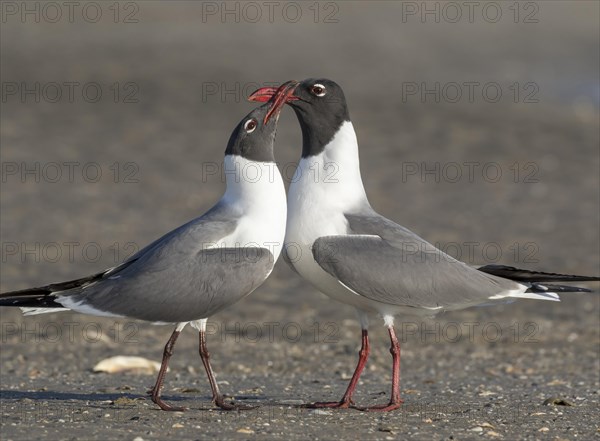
123,363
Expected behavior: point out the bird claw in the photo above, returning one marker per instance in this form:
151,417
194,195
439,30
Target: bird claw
220,403
382,407
167,407
156,399
329,405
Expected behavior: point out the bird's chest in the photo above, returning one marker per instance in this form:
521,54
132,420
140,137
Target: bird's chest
259,228
313,212
311,215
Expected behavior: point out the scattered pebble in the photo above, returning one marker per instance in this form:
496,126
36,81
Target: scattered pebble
556,382
486,393
557,401
123,400
292,402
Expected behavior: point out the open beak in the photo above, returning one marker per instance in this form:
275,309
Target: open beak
277,97
263,94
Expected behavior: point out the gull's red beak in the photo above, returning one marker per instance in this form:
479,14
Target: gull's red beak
277,97
263,94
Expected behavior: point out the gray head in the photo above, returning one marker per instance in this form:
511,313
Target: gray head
321,108
252,138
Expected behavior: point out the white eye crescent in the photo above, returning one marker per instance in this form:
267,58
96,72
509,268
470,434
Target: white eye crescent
250,125
318,90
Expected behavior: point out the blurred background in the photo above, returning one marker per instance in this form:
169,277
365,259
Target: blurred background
478,128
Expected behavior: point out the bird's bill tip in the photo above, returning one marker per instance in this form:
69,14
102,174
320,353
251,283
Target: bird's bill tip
263,94
282,95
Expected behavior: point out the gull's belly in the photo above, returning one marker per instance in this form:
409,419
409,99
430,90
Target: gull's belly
304,263
312,215
307,223
308,268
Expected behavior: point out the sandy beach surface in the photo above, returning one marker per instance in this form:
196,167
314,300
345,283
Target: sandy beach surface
479,132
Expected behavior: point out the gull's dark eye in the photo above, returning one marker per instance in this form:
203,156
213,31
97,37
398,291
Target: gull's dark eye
250,125
318,90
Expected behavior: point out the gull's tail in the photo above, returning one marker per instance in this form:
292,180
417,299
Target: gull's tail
534,279
42,299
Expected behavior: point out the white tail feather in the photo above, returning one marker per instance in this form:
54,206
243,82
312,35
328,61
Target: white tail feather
27,310
522,294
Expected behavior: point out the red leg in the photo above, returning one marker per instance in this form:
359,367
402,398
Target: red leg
395,400
217,396
156,390
346,400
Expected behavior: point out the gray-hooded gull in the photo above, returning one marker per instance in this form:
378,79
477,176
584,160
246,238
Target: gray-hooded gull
336,241
201,267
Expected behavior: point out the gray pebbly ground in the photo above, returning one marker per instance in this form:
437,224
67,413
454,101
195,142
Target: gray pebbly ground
476,374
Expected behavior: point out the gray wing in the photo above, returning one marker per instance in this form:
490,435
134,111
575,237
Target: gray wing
202,232
178,277
388,263
189,289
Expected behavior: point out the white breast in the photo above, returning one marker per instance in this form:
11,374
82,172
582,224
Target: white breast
256,191
323,188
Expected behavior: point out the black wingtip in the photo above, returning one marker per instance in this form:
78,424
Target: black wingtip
522,275
30,298
43,296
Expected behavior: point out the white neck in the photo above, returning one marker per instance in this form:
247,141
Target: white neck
335,172
323,189
250,181
256,189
